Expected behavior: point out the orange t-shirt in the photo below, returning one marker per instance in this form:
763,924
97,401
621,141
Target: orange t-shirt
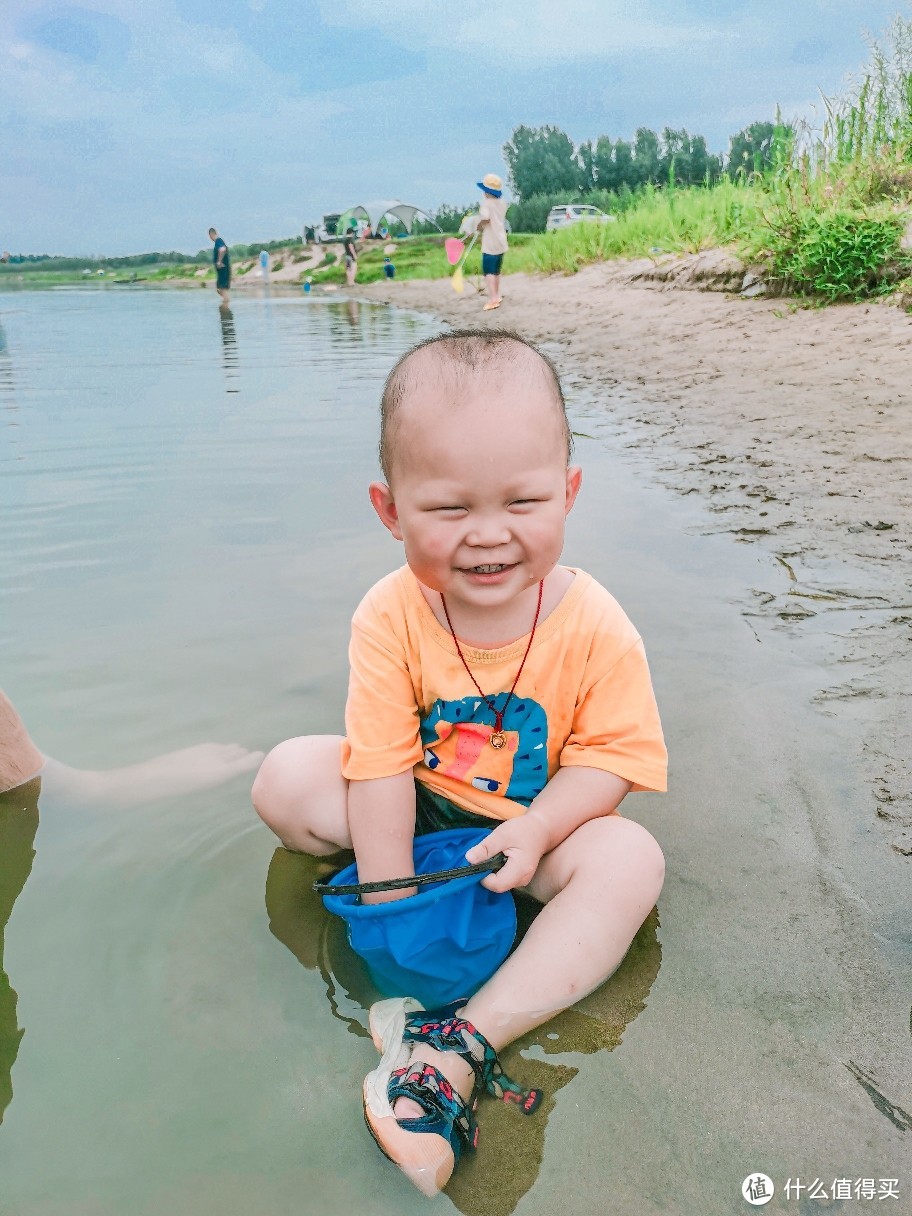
584,698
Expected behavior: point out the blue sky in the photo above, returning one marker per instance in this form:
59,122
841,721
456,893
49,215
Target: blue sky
128,126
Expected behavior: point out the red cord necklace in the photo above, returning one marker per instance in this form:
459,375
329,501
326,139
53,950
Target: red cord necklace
498,738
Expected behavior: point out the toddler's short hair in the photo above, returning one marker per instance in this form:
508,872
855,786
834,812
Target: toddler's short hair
470,349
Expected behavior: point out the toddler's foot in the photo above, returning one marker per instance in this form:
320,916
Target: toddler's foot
449,1065
419,1103
431,1125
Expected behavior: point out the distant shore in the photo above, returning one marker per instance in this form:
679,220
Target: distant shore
793,424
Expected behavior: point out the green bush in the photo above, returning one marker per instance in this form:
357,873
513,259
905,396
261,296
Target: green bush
840,255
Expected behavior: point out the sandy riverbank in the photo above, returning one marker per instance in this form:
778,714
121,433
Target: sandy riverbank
794,423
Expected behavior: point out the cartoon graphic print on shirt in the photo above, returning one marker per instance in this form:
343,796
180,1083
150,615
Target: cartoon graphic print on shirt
455,734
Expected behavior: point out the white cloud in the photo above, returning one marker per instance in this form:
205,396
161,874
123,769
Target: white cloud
522,31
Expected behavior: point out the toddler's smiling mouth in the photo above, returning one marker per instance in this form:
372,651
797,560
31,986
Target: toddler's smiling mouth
488,568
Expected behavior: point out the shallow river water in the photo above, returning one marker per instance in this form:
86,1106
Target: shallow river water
185,533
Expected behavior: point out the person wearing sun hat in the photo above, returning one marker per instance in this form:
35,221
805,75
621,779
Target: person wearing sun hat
492,224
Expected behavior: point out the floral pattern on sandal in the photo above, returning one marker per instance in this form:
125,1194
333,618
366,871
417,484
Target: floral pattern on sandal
444,1030
445,1113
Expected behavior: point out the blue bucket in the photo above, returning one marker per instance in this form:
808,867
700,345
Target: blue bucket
438,945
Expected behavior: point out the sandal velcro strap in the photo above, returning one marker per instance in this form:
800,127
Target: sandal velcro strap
444,1030
445,1113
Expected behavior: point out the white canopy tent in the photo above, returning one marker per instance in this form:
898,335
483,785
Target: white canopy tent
375,213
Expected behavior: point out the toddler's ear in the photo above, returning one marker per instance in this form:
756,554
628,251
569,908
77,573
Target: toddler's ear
381,497
574,480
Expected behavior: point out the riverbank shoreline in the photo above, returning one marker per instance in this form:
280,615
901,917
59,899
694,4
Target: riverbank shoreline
792,423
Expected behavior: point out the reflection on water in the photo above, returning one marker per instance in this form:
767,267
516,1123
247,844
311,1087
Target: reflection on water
18,825
6,372
229,348
480,1186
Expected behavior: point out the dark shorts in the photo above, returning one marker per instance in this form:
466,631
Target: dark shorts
434,813
491,263
223,278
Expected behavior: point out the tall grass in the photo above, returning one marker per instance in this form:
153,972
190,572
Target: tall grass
873,118
660,221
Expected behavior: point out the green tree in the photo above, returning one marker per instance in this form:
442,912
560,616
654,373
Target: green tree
755,149
685,160
605,168
586,156
646,161
705,166
674,158
541,160
625,173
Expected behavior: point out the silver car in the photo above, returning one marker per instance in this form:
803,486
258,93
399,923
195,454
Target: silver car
575,213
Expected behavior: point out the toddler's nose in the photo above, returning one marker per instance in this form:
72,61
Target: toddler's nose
488,534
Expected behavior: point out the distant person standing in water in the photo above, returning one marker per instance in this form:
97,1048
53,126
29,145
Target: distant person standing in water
222,260
492,224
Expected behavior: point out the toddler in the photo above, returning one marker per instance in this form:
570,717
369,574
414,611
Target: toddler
490,685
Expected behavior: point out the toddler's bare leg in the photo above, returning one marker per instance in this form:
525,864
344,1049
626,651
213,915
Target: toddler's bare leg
301,794
598,886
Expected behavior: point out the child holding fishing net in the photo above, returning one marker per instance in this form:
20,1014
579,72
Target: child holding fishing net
490,687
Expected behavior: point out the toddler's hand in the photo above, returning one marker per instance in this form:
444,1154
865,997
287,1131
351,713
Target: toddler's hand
524,840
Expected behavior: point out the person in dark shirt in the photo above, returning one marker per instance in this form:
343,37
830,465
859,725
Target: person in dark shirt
222,260
350,253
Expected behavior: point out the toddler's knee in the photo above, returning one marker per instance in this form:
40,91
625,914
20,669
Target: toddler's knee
647,857
270,786
300,794
643,857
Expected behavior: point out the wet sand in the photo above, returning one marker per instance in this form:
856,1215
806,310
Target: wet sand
793,425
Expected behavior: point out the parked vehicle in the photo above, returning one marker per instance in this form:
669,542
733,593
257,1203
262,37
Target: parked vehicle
328,230
575,213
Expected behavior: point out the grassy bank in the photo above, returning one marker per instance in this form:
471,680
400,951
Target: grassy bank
834,236
420,257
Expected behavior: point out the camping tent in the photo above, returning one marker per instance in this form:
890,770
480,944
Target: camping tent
374,214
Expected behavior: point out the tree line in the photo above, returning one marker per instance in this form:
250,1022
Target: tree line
544,160
58,262
546,168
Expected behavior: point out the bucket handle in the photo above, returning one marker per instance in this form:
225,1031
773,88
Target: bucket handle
495,863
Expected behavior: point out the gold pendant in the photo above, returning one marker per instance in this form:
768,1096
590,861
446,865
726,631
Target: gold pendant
498,740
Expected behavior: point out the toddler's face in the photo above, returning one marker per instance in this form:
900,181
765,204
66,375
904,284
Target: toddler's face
481,488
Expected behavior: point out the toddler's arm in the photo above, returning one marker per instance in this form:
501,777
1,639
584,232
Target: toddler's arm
381,820
572,797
